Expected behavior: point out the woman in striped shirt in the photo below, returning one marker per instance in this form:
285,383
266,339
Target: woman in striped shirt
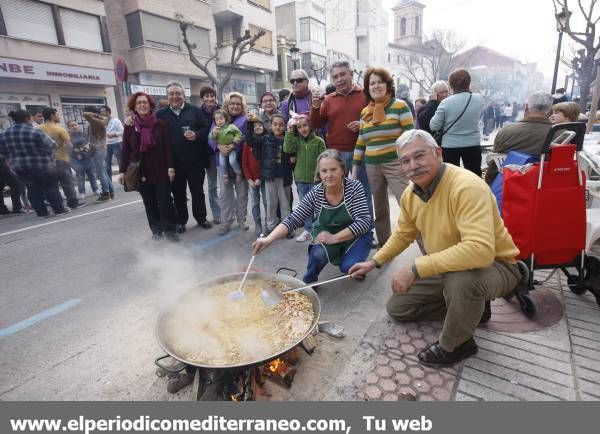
341,233
381,123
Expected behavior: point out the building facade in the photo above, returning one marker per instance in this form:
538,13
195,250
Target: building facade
303,24
147,36
54,53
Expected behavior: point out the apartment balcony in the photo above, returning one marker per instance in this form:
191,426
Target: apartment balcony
225,11
256,59
162,60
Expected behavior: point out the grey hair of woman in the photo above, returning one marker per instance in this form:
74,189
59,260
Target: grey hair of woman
334,155
411,136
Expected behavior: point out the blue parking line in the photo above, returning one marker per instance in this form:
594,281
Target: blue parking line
213,241
22,325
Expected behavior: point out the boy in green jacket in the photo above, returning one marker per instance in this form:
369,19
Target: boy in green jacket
301,140
225,133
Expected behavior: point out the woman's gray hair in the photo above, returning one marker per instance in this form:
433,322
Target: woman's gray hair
412,135
175,84
334,155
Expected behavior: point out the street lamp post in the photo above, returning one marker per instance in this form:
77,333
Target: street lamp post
562,18
295,51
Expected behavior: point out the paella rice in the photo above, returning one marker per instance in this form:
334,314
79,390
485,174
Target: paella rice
211,330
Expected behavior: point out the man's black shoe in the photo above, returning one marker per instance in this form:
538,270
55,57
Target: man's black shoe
205,224
180,229
487,312
437,357
172,237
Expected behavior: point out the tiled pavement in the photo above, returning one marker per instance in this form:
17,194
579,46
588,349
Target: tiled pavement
559,362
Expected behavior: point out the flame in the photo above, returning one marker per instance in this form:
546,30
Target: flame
276,365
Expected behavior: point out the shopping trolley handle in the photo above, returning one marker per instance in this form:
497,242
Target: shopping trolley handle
576,127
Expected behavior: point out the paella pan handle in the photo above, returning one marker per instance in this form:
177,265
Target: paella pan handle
292,273
169,369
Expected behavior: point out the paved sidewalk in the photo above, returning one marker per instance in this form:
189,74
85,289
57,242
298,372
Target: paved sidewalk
560,362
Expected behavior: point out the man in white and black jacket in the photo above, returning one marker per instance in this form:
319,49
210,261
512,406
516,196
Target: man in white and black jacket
188,131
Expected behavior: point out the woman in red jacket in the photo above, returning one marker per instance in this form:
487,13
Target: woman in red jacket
147,140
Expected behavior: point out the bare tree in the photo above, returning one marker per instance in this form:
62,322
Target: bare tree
239,46
583,65
431,61
318,71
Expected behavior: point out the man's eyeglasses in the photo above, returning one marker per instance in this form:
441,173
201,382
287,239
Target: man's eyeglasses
296,80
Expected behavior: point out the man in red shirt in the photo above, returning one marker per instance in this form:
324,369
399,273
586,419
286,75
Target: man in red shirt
340,110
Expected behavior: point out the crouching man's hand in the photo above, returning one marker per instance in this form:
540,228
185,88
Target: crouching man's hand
360,269
403,280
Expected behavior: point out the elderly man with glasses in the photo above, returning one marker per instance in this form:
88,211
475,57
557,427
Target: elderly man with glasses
470,256
300,98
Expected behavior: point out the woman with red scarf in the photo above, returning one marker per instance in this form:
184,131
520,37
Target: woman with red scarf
147,140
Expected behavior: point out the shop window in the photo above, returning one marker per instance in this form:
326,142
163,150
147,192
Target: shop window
28,19
81,30
246,87
72,108
265,42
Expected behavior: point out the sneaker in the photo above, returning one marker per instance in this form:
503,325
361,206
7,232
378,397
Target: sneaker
180,229
80,196
224,228
205,224
67,210
217,221
172,237
104,197
112,194
304,236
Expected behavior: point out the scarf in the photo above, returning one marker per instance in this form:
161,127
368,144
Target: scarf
145,126
376,110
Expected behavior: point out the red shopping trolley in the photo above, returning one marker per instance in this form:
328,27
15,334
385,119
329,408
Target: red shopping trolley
544,210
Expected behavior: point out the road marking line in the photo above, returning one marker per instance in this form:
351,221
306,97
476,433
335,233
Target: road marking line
16,231
7,331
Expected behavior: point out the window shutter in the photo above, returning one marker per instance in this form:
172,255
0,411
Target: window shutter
81,30
27,19
160,32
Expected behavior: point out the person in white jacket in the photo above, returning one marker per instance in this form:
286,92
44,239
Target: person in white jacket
114,139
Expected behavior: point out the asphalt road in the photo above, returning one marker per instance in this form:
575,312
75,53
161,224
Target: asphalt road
80,296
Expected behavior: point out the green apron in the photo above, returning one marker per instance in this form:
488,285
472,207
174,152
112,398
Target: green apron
333,220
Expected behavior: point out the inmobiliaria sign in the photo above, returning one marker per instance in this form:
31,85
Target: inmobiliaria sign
32,70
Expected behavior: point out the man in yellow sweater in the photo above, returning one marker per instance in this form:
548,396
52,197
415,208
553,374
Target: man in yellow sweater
470,255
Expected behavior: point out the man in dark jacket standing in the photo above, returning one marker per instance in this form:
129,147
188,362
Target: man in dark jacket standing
439,92
188,131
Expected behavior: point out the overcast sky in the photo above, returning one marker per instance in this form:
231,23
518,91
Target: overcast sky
524,29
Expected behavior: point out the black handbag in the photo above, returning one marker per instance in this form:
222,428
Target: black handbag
438,135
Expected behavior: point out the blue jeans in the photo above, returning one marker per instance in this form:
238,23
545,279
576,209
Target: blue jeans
317,257
303,189
362,177
100,162
256,193
213,194
112,149
233,162
82,168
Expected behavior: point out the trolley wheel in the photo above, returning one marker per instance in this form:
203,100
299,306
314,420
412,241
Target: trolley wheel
527,306
575,286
